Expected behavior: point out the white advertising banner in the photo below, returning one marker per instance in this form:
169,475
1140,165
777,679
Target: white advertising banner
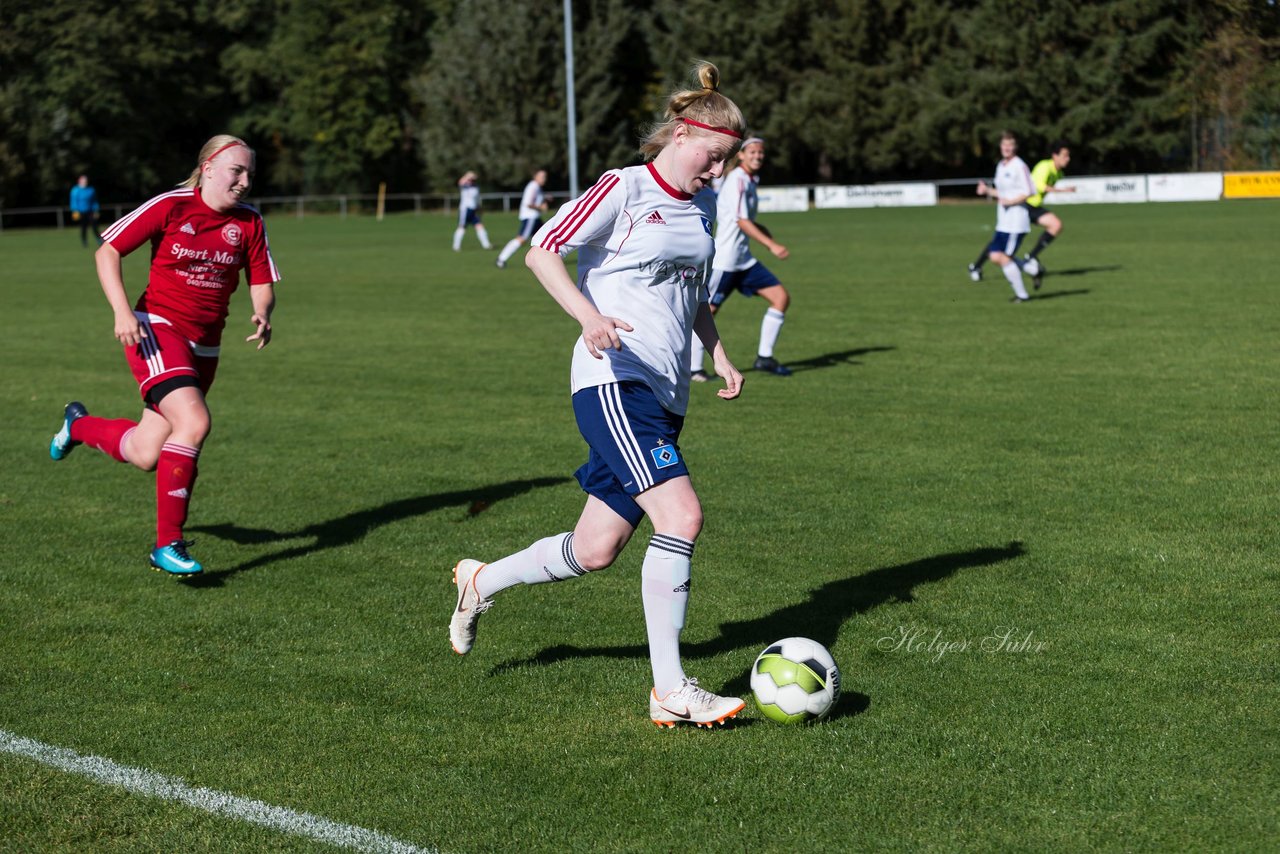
779,199
1092,191
876,196
1185,187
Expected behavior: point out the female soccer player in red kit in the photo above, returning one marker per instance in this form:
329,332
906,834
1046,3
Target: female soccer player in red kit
201,236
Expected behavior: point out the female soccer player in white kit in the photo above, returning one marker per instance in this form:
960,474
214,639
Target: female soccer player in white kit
533,203
644,249
469,212
1013,186
735,269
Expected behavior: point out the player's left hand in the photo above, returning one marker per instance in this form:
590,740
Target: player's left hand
779,251
732,380
263,335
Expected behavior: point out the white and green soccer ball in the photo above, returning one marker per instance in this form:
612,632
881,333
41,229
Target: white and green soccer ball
795,681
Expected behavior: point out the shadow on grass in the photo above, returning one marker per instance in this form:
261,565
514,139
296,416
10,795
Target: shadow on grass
1081,271
819,617
1055,294
348,529
830,360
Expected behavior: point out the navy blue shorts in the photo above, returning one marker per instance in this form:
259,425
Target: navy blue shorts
1005,242
749,281
468,216
529,226
633,444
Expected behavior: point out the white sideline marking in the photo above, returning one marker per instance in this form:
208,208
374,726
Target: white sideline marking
155,785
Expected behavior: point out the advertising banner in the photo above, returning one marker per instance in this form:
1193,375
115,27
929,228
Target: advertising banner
778,199
1251,185
1092,191
876,196
1185,187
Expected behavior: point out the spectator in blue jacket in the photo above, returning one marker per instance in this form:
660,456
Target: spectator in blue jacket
84,209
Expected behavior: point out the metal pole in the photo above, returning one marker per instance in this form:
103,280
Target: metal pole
569,98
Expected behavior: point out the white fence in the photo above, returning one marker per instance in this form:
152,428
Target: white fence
1106,189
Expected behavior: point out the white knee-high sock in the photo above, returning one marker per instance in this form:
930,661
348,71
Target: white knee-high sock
1013,273
696,354
770,328
549,559
457,238
665,589
484,236
510,249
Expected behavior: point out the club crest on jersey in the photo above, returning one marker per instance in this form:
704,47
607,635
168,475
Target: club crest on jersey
231,233
706,225
664,456
655,218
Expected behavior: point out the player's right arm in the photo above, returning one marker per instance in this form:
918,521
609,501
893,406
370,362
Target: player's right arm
111,276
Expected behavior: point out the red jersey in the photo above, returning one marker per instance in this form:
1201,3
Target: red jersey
197,254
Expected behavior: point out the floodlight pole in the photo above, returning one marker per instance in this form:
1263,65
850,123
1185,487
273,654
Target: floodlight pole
569,98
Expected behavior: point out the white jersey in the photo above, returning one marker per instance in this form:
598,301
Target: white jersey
469,197
644,249
531,201
736,200
1013,178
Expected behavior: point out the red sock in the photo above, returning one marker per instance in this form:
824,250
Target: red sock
105,434
175,476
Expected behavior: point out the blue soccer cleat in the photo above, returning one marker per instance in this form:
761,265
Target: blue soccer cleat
62,443
174,559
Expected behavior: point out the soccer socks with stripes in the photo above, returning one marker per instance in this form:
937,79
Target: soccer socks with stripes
106,434
1013,273
770,328
175,477
1045,239
549,559
510,249
664,585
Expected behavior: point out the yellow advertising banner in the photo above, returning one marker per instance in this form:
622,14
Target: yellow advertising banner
1250,185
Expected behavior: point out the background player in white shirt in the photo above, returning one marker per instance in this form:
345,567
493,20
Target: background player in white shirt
1013,186
532,203
735,269
469,212
644,248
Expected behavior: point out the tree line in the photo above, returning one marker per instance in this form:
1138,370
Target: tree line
341,95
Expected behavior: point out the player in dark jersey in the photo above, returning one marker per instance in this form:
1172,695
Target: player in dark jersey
201,236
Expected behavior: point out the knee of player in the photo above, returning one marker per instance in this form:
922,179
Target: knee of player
783,301
594,557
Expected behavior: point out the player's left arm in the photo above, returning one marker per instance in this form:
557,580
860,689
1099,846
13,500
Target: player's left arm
704,326
759,233
264,302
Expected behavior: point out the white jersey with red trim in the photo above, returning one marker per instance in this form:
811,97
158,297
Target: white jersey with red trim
736,200
197,254
1013,179
644,250
531,201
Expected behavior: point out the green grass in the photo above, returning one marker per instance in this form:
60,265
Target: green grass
1096,468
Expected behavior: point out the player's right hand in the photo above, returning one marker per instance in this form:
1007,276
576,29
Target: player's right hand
601,333
129,331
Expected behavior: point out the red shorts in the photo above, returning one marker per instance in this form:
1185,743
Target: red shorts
165,354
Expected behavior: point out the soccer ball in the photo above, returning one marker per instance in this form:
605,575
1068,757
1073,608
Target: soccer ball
795,681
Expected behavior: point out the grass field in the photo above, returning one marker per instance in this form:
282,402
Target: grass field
1092,475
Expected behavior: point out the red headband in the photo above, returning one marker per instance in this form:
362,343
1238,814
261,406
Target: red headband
726,131
224,148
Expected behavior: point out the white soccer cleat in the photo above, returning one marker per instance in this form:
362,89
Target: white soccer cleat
693,705
462,627
975,273
1031,267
